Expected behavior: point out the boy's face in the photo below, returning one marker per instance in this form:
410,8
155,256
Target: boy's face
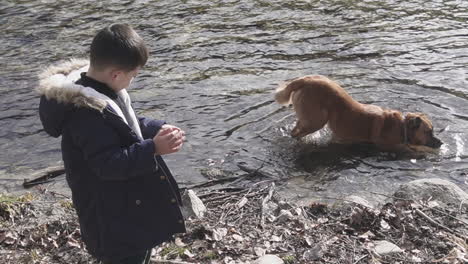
121,79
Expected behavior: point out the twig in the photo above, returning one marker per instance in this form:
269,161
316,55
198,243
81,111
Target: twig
354,250
432,221
217,198
261,182
211,182
432,208
153,260
391,196
361,258
446,214
265,201
233,192
460,207
336,198
60,194
233,179
249,169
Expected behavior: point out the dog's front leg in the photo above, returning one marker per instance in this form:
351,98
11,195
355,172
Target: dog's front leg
301,129
298,130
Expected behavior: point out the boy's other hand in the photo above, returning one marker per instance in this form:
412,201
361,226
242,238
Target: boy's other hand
169,139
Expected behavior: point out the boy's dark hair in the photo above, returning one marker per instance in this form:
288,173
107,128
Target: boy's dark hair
118,45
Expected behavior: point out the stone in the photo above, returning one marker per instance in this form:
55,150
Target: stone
269,259
349,203
283,205
238,237
384,247
284,216
434,189
275,238
270,208
313,254
193,206
259,251
359,200
219,233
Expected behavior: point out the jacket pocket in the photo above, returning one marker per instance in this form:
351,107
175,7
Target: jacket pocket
113,196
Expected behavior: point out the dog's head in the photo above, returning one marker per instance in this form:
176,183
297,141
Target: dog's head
419,131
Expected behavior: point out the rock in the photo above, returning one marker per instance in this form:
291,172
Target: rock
367,235
214,173
433,189
358,200
270,208
178,242
269,259
193,206
384,247
238,237
188,253
275,238
350,203
259,251
313,254
285,205
219,233
309,241
284,216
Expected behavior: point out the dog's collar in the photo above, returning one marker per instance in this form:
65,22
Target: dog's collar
405,131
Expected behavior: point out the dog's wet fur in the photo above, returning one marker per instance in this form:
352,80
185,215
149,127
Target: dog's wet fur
318,101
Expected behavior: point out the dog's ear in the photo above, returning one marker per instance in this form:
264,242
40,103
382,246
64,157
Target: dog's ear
414,121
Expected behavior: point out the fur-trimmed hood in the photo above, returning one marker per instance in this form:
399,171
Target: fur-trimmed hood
58,82
59,94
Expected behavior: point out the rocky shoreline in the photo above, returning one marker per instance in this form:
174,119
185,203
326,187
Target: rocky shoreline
424,221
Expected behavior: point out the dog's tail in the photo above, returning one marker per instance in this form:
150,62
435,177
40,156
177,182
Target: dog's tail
283,92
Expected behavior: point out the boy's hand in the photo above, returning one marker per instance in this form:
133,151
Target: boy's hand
168,140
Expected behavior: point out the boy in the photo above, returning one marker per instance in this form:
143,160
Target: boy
126,198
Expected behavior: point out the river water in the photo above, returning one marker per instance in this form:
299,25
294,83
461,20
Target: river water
215,64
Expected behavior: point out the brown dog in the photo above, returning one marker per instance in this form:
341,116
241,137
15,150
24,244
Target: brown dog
318,100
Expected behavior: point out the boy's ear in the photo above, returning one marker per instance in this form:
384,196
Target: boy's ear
114,74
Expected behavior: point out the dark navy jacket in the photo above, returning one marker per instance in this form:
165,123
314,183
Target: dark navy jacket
126,197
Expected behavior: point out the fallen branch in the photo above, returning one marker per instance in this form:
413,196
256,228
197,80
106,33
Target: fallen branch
49,175
234,179
255,172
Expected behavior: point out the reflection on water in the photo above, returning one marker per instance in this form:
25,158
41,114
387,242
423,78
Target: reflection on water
215,64
460,147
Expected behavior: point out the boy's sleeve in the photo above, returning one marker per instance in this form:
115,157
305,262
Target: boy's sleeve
103,153
150,127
